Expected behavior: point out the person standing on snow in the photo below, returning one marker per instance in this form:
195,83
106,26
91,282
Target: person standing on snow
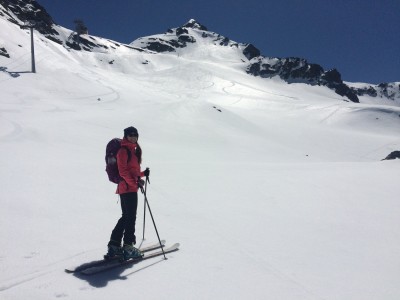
129,158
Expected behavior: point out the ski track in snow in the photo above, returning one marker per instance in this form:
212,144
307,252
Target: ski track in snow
45,270
292,281
260,90
13,133
331,114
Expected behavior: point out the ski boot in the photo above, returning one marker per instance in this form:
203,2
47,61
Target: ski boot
130,252
113,251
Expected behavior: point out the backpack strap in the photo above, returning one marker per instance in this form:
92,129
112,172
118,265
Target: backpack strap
129,158
128,152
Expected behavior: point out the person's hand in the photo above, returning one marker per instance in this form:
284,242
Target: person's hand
140,183
147,172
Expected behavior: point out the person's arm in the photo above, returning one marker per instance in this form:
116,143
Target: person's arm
122,160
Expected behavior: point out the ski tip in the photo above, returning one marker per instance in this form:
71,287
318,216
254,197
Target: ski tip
175,246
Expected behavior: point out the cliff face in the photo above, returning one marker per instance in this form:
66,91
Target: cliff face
21,12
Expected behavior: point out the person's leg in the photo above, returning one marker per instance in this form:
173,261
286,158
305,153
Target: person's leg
129,202
114,245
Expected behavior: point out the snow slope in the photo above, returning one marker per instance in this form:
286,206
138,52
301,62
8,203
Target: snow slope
274,191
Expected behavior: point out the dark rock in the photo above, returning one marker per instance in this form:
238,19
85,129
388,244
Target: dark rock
369,91
3,52
224,42
298,70
159,47
383,85
333,80
73,45
393,155
255,69
194,24
54,39
116,44
28,11
186,39
180,31
383,90
175,43
332,76
133,48
345,91
216,108
251,52
314,71
79,42
388,90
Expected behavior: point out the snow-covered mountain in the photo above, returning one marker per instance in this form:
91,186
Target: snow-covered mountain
291,70
271,181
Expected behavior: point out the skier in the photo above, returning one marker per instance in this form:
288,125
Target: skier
129,158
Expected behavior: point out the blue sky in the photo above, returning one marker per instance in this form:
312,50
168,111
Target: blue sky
361,38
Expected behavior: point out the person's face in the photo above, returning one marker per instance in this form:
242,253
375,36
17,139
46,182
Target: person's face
132,138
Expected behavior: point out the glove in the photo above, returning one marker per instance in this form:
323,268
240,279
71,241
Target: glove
140,183
147,172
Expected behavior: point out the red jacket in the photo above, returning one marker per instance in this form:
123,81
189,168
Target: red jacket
129,171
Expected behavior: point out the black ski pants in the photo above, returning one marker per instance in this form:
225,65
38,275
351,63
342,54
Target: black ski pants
126,224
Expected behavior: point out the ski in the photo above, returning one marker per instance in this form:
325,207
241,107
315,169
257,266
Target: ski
116,263
95,263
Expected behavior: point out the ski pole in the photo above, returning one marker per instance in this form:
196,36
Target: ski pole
152,218
151,214
144,205
155,227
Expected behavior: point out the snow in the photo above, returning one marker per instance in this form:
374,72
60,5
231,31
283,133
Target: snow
281,195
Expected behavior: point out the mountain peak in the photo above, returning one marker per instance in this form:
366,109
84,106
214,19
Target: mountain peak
194,24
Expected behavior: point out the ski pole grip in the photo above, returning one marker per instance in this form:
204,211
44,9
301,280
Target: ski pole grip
147,176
